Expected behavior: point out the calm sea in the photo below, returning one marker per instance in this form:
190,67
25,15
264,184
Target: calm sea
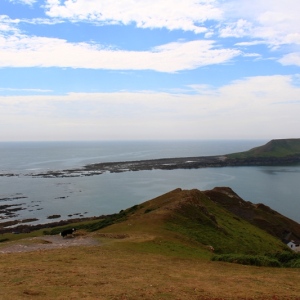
277,187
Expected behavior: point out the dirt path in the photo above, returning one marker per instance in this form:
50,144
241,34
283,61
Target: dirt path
47,242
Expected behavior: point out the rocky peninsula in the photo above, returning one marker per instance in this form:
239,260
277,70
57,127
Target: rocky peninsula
274,153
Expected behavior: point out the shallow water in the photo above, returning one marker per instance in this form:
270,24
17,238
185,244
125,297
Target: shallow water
108,193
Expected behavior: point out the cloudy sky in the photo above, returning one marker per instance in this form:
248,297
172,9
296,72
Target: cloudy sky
141,69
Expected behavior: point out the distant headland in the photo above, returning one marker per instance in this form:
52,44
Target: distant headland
275,153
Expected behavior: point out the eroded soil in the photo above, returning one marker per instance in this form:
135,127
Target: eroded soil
46,243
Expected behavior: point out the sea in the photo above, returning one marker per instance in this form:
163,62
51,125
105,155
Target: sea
27,197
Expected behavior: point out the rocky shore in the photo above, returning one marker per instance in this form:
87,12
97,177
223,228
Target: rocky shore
274,153
166,164
27,228
171,164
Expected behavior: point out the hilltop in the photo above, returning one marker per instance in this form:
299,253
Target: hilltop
218,218
275,148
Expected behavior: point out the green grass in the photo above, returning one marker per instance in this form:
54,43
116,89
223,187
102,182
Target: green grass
253,260
170,248
221,229
286,259
274,148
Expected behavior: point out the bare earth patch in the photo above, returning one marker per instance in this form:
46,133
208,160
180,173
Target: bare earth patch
47,242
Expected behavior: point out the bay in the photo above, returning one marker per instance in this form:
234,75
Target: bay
108,193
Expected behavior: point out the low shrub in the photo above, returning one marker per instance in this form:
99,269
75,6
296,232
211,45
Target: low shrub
286,256
253,260
287,259
295,263
3,240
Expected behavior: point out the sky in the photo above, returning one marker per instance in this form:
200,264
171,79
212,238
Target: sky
149,70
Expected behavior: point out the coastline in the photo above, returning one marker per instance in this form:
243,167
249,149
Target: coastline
218,161
27,228
171,164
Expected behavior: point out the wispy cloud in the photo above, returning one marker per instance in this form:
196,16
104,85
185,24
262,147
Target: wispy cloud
243,108
27,2
275,23
25,90
291,59
24,51
186,15
7,25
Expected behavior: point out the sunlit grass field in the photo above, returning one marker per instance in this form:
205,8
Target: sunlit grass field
157,250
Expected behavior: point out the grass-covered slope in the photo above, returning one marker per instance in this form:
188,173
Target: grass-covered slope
152,251
259,215
190,218
274,148
191,222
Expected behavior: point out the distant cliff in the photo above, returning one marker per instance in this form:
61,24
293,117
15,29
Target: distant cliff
275,148
275,152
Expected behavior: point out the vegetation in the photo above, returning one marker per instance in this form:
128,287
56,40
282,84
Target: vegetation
274,148
96,225
259,215
112,271
285,259
161,249
253,260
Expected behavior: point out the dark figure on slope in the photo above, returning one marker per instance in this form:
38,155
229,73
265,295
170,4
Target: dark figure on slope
64,233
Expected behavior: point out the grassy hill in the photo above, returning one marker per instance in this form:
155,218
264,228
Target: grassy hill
190,218
274,148
191,221
160,249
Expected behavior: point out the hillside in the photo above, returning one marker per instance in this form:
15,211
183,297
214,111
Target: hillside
192,218
199,220
160,249
275,148
259,215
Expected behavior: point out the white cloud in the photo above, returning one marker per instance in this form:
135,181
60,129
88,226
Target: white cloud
291,59
271,22
255,107
8,25
237,29
275,22
25,90
27,2
24,51
171,14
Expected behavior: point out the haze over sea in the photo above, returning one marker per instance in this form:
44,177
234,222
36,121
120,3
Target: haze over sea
108,193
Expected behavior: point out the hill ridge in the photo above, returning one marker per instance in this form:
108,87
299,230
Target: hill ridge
194,217
274,148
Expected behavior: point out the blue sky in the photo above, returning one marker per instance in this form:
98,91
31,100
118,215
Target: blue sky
143,70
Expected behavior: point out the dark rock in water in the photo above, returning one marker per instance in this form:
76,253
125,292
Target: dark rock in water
54,217
29,220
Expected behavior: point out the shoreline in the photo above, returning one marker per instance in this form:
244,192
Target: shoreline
220,161
198,162
195,162
27,228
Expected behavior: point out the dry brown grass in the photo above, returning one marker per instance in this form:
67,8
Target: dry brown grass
136,259
115,271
